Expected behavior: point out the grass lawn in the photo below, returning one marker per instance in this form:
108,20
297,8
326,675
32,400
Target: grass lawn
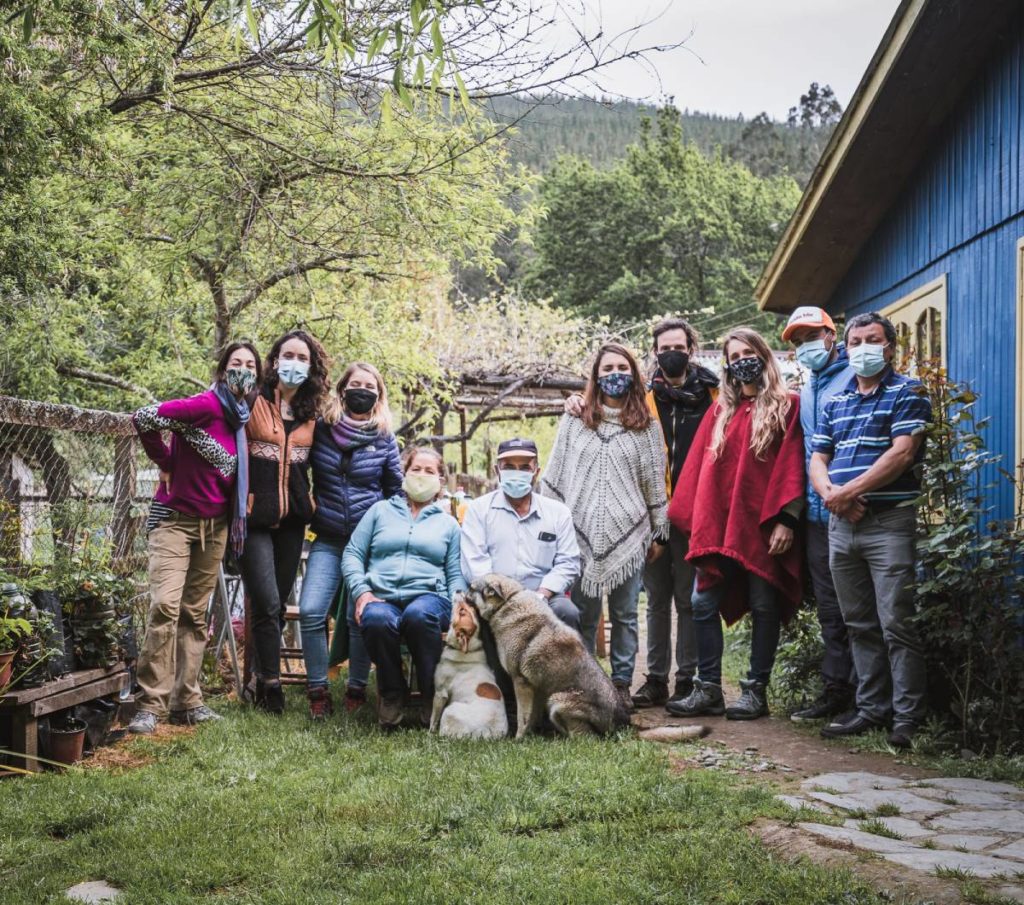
258,809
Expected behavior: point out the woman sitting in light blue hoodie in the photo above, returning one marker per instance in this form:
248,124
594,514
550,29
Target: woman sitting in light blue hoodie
403,568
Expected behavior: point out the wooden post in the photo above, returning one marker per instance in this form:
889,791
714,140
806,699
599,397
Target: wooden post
123,522
464,445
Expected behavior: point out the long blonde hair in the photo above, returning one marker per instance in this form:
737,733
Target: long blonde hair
771,405
381,412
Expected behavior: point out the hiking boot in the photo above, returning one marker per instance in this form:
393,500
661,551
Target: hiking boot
269,696
753,702
622,690
193,716
831,702
354,698
143,723
653,693
705,700
681,691
389,711
320,704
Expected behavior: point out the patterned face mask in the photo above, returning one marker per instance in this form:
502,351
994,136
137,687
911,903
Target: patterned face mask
747,370
615,385
240,380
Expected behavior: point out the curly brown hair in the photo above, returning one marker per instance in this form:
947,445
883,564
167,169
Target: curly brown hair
634,414
311,397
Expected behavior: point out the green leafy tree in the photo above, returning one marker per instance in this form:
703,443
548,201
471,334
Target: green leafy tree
665,229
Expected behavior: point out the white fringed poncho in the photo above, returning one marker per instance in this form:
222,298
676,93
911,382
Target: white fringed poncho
613,481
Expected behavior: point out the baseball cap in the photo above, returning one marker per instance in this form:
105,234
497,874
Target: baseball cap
807,316
517,446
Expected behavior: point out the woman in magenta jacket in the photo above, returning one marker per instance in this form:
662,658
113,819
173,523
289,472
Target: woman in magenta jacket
199,504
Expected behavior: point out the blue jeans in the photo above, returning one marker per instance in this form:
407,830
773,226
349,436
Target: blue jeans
319,588
622,602
420,624
764,612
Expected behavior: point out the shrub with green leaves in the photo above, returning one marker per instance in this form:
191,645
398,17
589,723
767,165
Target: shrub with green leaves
969,597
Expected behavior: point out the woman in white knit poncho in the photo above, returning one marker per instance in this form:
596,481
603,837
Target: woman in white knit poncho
608,467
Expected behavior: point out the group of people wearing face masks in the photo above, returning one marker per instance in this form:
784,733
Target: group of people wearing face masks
670,479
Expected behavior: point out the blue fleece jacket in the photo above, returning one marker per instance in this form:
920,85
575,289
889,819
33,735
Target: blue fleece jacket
398,558
822,386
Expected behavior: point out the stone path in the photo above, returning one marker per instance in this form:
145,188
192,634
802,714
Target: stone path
944,825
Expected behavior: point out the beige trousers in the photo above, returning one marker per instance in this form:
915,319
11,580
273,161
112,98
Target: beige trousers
185,554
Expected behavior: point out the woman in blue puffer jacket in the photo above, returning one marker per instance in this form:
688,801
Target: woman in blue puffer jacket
355,464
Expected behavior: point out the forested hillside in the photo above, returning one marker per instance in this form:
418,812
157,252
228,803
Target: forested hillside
599,131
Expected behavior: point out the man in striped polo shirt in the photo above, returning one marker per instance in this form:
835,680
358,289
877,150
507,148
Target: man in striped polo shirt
867,449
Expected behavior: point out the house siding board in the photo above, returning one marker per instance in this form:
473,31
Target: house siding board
962,215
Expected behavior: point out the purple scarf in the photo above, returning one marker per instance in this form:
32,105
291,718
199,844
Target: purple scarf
349,435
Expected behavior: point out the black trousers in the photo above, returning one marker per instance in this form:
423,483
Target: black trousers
269,565
837,669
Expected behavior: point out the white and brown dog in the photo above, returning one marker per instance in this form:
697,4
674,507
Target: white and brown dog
467,700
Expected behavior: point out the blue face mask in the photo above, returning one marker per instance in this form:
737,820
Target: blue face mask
813,354
867,359
515,484
616,384
292,373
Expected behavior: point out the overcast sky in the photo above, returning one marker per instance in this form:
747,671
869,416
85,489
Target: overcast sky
745,56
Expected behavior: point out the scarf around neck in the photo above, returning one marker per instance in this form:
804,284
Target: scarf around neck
349,434
693,393
236,413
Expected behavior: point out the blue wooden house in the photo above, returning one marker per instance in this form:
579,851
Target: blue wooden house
916,208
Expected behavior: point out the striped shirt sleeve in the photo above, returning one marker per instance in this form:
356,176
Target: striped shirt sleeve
822,441
911,412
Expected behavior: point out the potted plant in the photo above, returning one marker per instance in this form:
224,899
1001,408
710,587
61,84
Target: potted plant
92,602
66,740
12,630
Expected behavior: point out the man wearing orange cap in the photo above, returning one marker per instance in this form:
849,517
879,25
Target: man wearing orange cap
813,334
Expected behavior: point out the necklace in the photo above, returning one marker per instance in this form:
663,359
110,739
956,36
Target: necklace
286,411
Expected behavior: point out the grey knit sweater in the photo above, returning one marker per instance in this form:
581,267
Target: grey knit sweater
613,481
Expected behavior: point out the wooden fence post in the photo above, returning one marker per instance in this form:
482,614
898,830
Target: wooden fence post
123,522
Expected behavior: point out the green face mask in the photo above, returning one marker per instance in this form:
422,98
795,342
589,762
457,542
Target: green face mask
240,380
421,487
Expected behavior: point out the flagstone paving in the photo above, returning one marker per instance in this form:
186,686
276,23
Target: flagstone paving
939,825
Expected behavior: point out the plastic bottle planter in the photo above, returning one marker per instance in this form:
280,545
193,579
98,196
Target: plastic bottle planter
97,633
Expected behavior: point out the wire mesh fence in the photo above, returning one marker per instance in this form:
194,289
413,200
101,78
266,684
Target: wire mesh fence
74,489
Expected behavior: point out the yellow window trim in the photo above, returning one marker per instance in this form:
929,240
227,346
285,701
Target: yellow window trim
936,292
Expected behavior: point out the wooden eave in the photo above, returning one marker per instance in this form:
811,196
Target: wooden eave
928,56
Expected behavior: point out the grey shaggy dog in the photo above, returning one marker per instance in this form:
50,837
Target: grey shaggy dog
550,668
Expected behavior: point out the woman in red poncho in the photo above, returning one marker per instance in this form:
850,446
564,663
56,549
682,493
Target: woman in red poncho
739,499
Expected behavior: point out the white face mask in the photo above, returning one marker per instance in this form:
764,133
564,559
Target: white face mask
292,373
867,359
421,487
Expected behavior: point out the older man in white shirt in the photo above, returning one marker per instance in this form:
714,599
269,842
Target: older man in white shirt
515,532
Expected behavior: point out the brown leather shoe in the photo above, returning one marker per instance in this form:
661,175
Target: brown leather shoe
389,711
320,704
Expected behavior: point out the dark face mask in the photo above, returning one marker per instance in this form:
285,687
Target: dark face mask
359,401
747,370
673,363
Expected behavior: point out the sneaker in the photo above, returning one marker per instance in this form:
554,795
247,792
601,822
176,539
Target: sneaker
622,690
269,696
143,723
681,691
320,704
354,698
753,702
193,716
653,693
705,700
831,702
389,712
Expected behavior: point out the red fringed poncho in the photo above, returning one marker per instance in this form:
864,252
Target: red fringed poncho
729,506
